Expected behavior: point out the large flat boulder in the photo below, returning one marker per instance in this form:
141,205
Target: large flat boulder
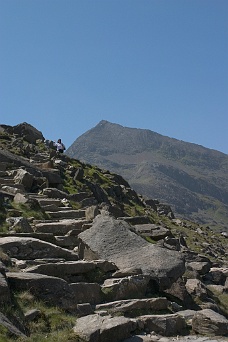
26,248
113,240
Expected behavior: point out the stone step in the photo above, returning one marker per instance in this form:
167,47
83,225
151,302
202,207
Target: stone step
26,247
120,328
76,271
36,196
53,207
80,196
35,222
44,201
67,214
23,264
60,227
104,328
13,188
154,231
135,219
130,307
48,237
67,241
7,181
3,174
40,157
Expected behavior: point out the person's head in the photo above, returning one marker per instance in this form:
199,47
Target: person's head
59,141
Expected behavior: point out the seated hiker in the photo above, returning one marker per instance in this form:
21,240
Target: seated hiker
60,147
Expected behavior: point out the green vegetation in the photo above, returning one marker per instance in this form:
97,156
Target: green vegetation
31,209
40,146
148,239
69,184
200,239
134,209
51,324
221,299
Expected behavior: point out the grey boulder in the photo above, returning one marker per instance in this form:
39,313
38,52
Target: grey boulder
113,240
30,248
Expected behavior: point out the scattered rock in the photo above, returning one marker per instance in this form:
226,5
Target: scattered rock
96,328
208,322
10,327
127,287
31,248
165,325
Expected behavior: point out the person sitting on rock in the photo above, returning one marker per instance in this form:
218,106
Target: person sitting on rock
60,147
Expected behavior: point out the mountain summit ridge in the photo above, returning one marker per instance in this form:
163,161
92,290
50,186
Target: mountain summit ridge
190,177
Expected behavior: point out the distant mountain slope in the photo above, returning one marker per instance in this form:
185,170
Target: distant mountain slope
192,178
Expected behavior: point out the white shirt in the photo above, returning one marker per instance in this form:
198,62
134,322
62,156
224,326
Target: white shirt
59,146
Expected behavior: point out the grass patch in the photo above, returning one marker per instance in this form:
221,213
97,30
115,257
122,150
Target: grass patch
31,209
133,209
221,300
52,324
57,336
148,239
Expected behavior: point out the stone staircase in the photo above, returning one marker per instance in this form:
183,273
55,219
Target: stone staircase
8,183
67,213
111,306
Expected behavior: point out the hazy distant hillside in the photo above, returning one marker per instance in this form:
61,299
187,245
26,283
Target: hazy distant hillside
192,178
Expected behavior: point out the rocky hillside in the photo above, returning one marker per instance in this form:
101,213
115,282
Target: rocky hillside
83,257
191,178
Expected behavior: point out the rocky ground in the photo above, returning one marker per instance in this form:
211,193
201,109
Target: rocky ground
189,338
80,244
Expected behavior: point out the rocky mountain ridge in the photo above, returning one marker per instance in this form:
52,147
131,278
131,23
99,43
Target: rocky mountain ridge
85,258
191,178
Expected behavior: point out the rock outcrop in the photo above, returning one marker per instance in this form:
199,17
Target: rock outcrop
75,237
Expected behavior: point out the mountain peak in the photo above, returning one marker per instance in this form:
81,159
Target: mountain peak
191,177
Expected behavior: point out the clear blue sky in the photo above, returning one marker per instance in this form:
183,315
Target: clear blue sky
155,64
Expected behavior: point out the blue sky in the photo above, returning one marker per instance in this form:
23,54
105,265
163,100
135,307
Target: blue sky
153,64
